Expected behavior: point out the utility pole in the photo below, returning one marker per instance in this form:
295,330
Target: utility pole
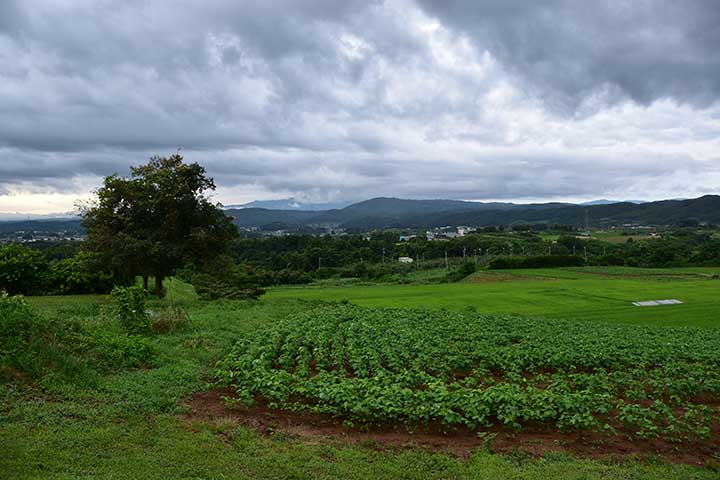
383,255
447,267
585,248
573,249
587,220
319,262
476,253
463,253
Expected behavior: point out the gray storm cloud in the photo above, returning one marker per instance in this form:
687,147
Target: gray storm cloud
568,50
348,100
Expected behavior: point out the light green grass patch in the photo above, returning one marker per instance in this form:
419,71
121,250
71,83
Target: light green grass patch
571,294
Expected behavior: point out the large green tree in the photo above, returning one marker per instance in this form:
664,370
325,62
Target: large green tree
156,220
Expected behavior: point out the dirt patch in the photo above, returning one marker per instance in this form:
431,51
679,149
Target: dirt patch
535,441
503,277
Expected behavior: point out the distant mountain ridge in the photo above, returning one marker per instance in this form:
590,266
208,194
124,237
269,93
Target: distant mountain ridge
383,212
290,204
605,201
402,213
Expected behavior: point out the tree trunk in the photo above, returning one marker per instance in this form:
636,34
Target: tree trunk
145,282
159,290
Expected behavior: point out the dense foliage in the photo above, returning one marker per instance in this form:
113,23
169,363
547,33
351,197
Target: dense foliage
308,253
302,258
377,366
241,268
223,278
30,271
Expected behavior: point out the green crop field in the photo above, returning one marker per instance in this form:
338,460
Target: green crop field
386,366
593,293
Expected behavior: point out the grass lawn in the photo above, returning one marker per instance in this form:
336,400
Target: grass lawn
128,423
617,237
585,293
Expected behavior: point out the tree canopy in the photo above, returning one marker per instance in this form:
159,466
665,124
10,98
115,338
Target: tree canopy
156,220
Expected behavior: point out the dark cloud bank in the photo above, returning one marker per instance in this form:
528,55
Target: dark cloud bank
346,100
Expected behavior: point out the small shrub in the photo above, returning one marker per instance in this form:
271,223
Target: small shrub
460,272
121,351
19,327
171,319
17,322
129,306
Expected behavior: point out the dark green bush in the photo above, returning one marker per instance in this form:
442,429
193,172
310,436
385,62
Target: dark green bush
22,270
460,272
544,261
211,287
78,274
225,279
27,271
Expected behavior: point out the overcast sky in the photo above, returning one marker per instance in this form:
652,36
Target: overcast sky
329,100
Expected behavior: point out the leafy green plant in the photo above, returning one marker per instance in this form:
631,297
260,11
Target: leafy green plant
129,306
123,351
379,365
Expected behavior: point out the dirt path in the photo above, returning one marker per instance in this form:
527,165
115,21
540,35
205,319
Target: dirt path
208,406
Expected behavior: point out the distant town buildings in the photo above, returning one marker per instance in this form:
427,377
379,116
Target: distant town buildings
448,232
34,236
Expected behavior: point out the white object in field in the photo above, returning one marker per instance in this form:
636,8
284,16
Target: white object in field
405,259
654,303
